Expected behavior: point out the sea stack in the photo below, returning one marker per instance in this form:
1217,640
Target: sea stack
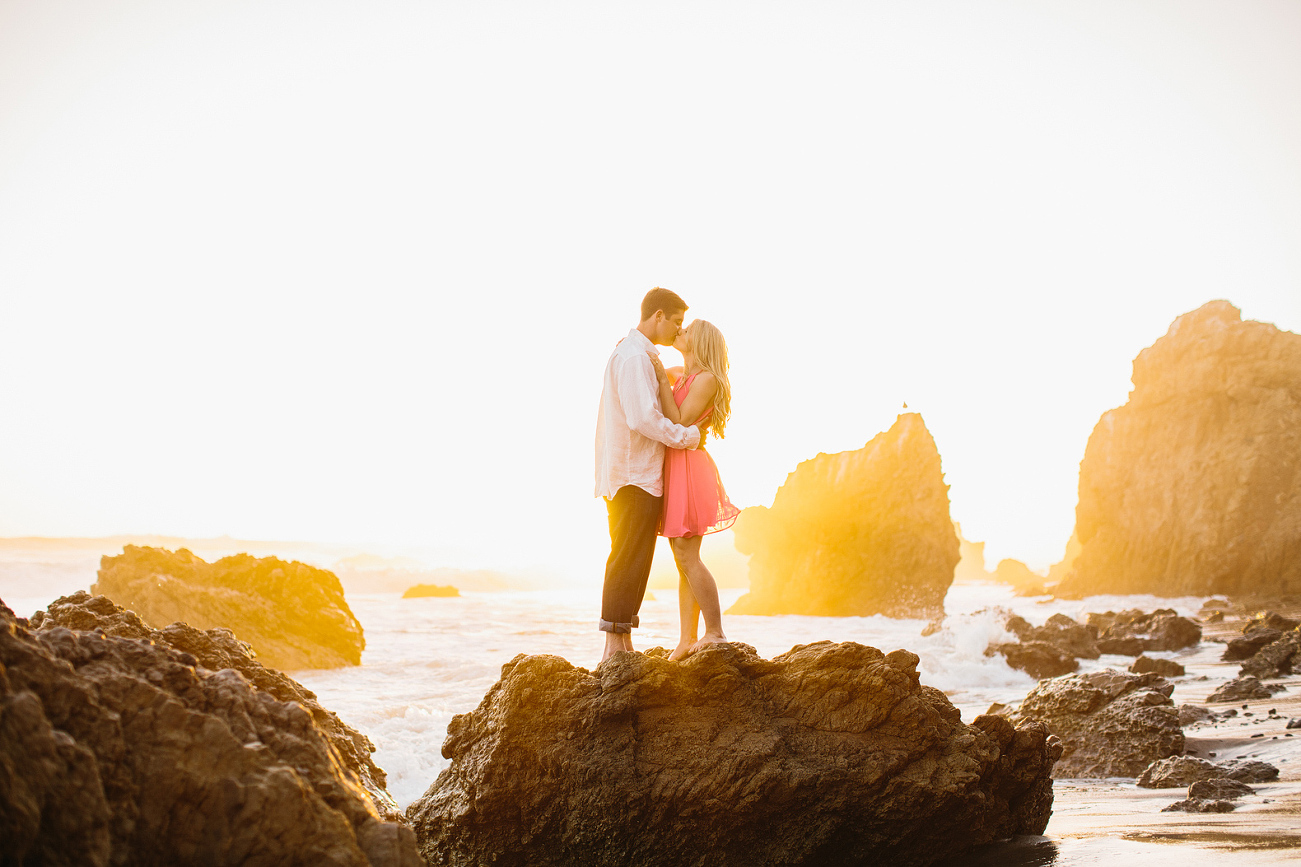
1193,487
293,615
856,533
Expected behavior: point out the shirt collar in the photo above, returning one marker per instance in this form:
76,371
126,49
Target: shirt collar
643,341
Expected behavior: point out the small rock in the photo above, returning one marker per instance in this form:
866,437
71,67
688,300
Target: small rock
1294,723
1189,714
1247,771
1219,790
1177,772
1245,687
1163,667
1197,805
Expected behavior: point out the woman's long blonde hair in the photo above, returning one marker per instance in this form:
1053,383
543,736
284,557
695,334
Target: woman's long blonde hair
710,350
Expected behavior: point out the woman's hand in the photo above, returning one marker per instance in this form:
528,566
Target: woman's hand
660,373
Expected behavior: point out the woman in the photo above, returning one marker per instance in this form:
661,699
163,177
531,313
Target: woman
695,503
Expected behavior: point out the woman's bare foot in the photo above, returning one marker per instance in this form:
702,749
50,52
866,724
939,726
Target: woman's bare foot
708,639
684,648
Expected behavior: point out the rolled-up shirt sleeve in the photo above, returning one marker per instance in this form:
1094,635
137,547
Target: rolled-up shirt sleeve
639,398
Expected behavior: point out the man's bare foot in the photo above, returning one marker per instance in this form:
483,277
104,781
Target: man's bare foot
616,643
683,650
708,639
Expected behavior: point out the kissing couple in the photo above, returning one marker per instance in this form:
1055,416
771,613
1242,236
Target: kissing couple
654,473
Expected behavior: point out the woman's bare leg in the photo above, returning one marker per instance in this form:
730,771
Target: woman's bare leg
688,614
686,551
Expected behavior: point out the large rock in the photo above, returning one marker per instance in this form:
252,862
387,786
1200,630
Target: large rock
1193,487
127,751
827,754
855,533
1178,771
293,615
1112,724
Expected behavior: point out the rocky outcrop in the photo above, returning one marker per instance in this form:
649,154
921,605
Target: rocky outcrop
1247,646
1193,487
293,615
128,750
1039,659
1112,724
1132,632
827,754
855,533
1245,689
1019,576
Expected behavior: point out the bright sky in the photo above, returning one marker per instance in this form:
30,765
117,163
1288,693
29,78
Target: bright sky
350,271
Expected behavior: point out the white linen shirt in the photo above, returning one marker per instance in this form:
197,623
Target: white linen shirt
631,430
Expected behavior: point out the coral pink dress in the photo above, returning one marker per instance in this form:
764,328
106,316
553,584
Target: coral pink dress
694,500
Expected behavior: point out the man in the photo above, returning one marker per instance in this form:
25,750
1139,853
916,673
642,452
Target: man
631,433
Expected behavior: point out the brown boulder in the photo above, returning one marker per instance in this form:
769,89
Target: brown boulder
856,533
127,751
1193,487
293,615
1112,724
827,754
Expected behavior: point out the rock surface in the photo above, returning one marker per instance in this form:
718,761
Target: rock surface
1193,487
293,615
856,533
128,751
1112,724
827,754
1245,689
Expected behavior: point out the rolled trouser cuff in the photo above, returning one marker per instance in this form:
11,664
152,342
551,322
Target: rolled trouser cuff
619,628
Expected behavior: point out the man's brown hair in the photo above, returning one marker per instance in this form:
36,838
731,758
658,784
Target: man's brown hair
661,299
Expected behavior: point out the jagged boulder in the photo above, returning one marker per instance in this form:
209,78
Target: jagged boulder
1112,724
827,754
293,615
856,533
122,750
1193,487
